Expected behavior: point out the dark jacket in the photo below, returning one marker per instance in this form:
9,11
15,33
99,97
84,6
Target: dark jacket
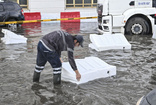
149,99
61,41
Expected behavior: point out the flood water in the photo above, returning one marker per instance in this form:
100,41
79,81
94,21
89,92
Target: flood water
136,71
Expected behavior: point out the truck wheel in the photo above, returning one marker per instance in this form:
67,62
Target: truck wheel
137,26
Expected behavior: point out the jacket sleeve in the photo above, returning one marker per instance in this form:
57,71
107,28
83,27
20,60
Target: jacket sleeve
71,58
59,53
70,51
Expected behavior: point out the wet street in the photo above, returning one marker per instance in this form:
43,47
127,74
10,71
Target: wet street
136,70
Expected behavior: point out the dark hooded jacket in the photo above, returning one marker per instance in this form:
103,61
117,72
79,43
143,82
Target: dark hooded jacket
61,41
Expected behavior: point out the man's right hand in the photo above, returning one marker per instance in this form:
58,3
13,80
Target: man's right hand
78,75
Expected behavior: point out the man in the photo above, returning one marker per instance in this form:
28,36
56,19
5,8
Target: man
49,49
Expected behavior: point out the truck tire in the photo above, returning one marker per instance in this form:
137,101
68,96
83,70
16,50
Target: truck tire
137,26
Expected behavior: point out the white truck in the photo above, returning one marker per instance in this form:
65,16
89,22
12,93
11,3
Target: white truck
133,17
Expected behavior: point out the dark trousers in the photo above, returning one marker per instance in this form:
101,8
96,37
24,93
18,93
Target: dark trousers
44,55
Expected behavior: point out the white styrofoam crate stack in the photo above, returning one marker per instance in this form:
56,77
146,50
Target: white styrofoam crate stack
12,38
90,68
108,42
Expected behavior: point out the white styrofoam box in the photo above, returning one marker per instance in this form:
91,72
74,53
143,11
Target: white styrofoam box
108,42
12,38
154,32
90,68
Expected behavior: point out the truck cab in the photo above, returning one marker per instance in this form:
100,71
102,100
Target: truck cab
134,17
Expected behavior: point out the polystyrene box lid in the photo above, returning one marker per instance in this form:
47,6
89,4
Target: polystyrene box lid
12,38
90,68
108,42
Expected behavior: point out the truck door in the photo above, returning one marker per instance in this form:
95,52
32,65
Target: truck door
154,3
117,7
2,13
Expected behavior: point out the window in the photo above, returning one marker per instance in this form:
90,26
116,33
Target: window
1,8
154,3
81,3
22,3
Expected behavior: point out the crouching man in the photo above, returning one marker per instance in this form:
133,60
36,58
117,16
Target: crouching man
49,49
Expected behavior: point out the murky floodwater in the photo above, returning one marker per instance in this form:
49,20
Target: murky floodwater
136,71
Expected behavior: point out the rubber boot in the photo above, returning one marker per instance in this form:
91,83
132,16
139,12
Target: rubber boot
36,76
57,79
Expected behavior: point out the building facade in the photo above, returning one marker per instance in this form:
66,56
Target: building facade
55,6
51,9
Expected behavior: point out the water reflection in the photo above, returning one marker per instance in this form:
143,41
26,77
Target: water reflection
11,52
37,88
72,28
135,77
50,94
12,27
31,29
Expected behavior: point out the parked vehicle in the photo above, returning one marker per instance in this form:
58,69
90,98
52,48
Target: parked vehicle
134,17
10,11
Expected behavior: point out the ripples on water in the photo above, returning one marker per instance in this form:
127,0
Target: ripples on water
135,77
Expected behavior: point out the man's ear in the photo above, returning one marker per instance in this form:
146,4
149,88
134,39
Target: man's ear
75,41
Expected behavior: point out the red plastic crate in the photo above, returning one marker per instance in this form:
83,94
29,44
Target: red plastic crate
32,16
70,15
